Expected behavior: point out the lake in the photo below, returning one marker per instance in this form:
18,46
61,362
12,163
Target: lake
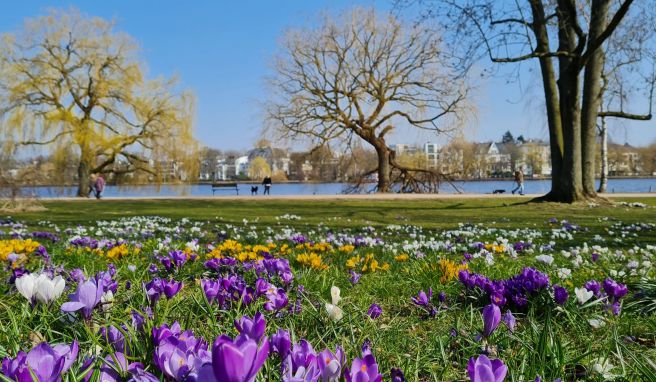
470,187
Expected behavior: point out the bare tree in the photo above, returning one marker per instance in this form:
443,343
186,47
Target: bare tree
71,81
361,77
629,76
568,38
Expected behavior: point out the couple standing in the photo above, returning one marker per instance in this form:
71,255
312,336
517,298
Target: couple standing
96,185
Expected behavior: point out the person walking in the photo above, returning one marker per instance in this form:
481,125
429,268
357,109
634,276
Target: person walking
100,186
267,185
519,179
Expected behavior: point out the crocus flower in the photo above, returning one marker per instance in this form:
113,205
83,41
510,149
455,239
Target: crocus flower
235,361
334,312
40,287
560,295
483,369
583,295
509,320
397,375
211,288
491,319
86,298
252,328
363,369
281,343
374,311
47,363
594,287
171,288
614,290
422,298
116,365
330,364
355,277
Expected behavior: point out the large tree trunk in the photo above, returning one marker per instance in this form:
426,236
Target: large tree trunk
83,179
552,102
592,97
571,189
603,183
384,167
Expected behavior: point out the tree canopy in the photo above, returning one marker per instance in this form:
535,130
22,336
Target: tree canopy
71,81
360,77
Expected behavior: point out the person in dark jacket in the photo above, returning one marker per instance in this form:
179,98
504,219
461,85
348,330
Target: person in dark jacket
267,185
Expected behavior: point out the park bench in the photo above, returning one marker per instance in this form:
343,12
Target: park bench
224,186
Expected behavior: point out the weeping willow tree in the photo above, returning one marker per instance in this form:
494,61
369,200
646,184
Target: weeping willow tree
76,87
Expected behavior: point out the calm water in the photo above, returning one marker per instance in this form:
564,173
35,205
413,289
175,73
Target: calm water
480,187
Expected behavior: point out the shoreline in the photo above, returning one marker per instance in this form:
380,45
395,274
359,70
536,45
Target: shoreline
258,198
206,182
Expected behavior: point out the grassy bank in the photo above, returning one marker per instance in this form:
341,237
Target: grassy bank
506,212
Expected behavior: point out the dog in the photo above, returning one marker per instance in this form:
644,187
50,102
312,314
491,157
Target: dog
498,191
254,190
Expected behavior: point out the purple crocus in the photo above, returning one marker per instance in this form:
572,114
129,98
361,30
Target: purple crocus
86,298
114,337
422,298
614,290
374,311
491,319
594,287
252,328
235,361
281,343
509,320
482,369
397,375
560,294
116,365
47,363
363,369
211,288
171,288
330,364
181,357
355,277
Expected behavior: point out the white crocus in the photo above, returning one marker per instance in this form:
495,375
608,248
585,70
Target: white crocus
583,295
47,289
26,285
335,295
547,259
603,368
40,287
334,312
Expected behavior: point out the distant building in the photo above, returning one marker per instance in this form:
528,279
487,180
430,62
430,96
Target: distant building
402,148
241,165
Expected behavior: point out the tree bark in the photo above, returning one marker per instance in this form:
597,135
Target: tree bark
571,189
83,169
603,183
592,97
384,167
551,101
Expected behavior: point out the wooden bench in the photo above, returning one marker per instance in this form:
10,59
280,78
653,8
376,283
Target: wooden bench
224,186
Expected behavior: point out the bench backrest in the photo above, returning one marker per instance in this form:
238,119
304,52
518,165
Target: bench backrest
224,185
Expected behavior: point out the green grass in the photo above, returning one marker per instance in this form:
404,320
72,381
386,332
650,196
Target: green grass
549,341
428,213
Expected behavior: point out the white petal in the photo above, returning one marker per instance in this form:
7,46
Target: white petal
335,294
25,285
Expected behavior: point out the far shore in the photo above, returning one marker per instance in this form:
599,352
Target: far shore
246,181
373,196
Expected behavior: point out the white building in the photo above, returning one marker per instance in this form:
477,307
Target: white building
241,165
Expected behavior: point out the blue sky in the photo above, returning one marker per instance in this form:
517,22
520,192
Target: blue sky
221,50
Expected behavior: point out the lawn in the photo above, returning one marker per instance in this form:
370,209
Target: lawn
574,285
